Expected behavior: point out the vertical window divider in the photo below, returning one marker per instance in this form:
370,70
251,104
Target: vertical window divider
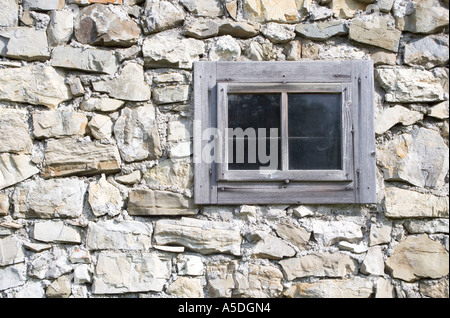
284,132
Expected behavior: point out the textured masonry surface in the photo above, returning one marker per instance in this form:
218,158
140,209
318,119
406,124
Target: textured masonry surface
96,172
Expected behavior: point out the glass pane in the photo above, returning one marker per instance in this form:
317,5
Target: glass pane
250,120
314,130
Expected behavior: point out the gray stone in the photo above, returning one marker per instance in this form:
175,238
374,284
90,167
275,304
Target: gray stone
56,124
104,198
373,263
401,203
49,265
15,168
297,236
427,226
156,202
180,150
43,5
439,111
9,12
11,251
118,273
67,156
375,32
332,288
206,8
384,288
171,94
278,33
160,15
243,30
129,84
435,289
407,158
385,5
14,135
409,85
322,30
12,276
24,43
429,52
319,265
272,247
85,59
54,198
424,16
201,29
24,85
205,237
179,130
101,127
124,235
225,49
331,232
130,178
171,173
191,265
136,133
100,24
392,116
161,50
56,232
418,257
60,28
101,104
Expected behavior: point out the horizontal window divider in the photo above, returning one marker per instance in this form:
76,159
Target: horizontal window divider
291,175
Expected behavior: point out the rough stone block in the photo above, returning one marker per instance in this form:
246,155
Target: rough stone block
156,202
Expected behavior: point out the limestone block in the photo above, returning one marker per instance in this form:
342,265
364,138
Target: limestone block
191,265
99,24
33,84
15,168
50,264
101,104
392,116
401,203
322,30
427,226
332,288
43,5
243,30
206,8
4,204
180,150
60,28
85,59
11,251
201,29
290,11
375,32
161,15
272,247
59,288
373,263
205,237
346,9
104,198
101,127
54,198
9,12
278,33
319,265
129,84
409,85
56,124
124,235
12,276
14,135
161,50
225,49
171,94
424,16
171,172
429,52
129,178
435,289
297,236
407,158
418,257
331,232
186,287
380,234
56,232
136,133
439,111
117,273
156,202
24,43
67,156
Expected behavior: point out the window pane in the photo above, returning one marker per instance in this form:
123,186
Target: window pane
247,115
314,130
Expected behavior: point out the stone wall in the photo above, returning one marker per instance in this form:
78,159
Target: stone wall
96,173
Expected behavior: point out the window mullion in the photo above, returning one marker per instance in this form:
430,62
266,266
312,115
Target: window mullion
284,132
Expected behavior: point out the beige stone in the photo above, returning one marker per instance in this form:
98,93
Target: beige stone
439,111
435,289
15,168
101,127
205,237
186,287
418,257
33,84
56,232
297,236
273,10
332,288
346,9
104,198
426,16
14,135
4,204
57,124
391,116
101,104
59,288
272,247
171,172
156,202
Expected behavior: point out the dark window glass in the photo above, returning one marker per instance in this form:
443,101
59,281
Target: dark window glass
247,115
314,129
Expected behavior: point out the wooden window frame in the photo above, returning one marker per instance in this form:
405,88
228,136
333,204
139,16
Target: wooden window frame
355,183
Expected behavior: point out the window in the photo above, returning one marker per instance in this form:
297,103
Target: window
284,132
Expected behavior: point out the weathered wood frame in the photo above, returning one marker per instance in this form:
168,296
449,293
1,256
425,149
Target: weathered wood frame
355,183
